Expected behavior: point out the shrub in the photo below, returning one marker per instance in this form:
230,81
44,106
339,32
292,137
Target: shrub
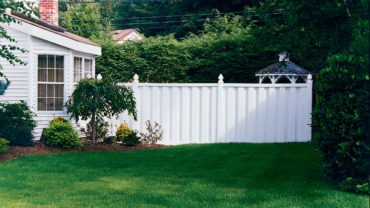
16,123
155,133
62,135
122,131
101,129
4,145
110,140
58,119
340,122
131,139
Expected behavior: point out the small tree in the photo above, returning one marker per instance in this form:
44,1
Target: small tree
100,98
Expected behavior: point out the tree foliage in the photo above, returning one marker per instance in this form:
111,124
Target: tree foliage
100,98
225,46
86,20
341,122
341,116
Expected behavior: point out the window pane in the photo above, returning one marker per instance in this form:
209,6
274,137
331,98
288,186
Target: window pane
50,96
77,69
42,61
59,91
50,90
42,75
60,75
41,104
51,61
58,103
41,91
50,104
88,68
60,62
51,75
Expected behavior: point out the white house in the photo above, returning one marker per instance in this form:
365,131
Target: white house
55,59
121,36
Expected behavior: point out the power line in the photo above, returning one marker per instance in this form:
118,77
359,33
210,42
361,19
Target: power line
165,22
148,23
150,27
185,15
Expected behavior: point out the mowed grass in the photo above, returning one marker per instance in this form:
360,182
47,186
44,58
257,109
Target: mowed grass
211,175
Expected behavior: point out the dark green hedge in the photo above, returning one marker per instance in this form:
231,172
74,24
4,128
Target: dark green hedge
341,122
17,123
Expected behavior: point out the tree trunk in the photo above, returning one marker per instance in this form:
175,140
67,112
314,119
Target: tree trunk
93,128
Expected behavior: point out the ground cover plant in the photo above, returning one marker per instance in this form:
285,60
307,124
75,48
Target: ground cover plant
214,175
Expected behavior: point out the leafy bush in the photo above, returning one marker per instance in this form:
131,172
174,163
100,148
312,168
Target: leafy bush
122,131
4,145
16,123
110,140
340,122
57,120
62,135
132,139
154,134
101,129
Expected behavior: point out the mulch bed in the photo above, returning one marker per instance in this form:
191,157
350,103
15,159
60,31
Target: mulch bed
41,149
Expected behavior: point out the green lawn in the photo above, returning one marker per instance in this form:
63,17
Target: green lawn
216,175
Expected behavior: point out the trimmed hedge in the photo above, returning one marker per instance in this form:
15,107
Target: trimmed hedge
341,122
61,135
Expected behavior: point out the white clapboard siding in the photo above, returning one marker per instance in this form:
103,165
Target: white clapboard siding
17,74
209,113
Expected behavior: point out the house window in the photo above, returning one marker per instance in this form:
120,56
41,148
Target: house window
50,83
77,69
88,65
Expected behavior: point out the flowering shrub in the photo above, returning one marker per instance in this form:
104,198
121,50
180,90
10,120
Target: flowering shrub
123,131
154,134
58,119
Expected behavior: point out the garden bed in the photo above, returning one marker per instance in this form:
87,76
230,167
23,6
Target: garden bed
41,149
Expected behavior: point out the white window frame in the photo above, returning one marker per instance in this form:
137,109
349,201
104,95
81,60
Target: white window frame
83,67
74,69
92,67
55,83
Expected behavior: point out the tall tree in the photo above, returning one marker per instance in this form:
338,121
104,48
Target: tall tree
86,20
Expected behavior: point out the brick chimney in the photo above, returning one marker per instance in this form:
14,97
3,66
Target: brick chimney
49,11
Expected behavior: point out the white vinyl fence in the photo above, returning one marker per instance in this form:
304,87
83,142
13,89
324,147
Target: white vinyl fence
210,113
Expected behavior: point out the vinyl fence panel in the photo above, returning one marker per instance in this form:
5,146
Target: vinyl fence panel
221,112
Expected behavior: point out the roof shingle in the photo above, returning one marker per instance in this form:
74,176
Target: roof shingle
52,28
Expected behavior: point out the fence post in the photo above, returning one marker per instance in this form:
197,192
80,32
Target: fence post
220,110
134,88
309,104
